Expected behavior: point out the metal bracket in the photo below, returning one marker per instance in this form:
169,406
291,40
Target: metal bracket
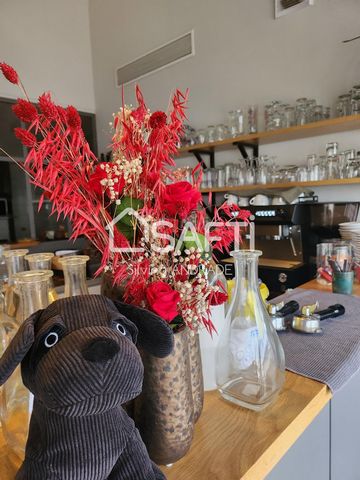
198,155
242,147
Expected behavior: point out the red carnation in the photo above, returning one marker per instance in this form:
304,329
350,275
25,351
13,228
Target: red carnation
163,300
158,120
181,273
73,118
25,110
9,73
25,137
217,298
100,174
47,106
180,199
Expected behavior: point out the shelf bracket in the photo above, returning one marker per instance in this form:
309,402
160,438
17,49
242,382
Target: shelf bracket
242,146
198,155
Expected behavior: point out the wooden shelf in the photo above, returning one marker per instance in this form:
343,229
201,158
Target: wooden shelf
324,127
283,186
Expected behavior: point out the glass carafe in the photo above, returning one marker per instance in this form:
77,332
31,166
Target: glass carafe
16,402
74,267
42,261
15,262
250,358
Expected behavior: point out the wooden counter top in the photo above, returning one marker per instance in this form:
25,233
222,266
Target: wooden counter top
232,443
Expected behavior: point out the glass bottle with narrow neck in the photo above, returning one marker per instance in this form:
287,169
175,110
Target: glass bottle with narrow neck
15,262
42,261
250,357
16,401
74,267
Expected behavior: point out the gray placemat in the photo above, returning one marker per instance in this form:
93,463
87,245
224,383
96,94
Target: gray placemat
332,357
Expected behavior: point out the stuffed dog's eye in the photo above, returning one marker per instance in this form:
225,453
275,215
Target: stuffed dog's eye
51,339
121,329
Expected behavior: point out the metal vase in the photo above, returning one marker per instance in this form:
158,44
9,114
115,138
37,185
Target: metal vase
164,412
196,377
172,396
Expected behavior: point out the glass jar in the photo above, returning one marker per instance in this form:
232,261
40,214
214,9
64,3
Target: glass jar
236,122
343,105
318,113
221,132
74,267
332,149
210,133
250,358
355,105
42,261
201,136
16,401
15,262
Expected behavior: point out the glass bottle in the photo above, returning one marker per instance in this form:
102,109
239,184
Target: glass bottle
250,358
42,261
15,262
16,401
74,267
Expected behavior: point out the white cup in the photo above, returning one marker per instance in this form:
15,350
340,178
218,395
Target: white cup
243,202
231,199
260,199
278,201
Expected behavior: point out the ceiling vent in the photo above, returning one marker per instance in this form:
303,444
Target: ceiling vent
283,7
164,56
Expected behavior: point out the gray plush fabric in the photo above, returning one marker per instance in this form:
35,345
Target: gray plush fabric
78,429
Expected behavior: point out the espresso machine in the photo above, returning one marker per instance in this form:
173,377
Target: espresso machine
287,235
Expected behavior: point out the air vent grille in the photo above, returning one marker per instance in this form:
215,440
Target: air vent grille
172,52
290,3
283,7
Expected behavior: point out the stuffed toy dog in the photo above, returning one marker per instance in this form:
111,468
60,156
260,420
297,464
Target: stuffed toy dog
79,359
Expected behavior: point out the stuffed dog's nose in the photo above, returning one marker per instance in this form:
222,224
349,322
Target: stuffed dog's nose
100,350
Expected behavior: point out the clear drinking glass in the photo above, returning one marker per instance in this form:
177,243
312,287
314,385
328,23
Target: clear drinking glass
268,116
42,261
355,105
74,267
16,402
15,262
289,117
318,113
252,119
236,122
323,269
221,177
250,358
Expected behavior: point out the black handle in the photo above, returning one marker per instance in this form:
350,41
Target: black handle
289,308
331,312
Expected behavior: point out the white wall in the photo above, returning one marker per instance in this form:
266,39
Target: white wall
243,56
48,42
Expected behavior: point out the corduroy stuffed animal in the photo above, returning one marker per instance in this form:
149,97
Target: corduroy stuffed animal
79,359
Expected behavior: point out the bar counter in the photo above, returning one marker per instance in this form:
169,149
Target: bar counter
233,443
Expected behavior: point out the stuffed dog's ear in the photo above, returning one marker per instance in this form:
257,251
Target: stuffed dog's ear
155,335
18,348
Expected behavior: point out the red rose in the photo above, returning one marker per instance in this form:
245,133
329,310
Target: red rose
158,120
180,199
163,300
100,174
